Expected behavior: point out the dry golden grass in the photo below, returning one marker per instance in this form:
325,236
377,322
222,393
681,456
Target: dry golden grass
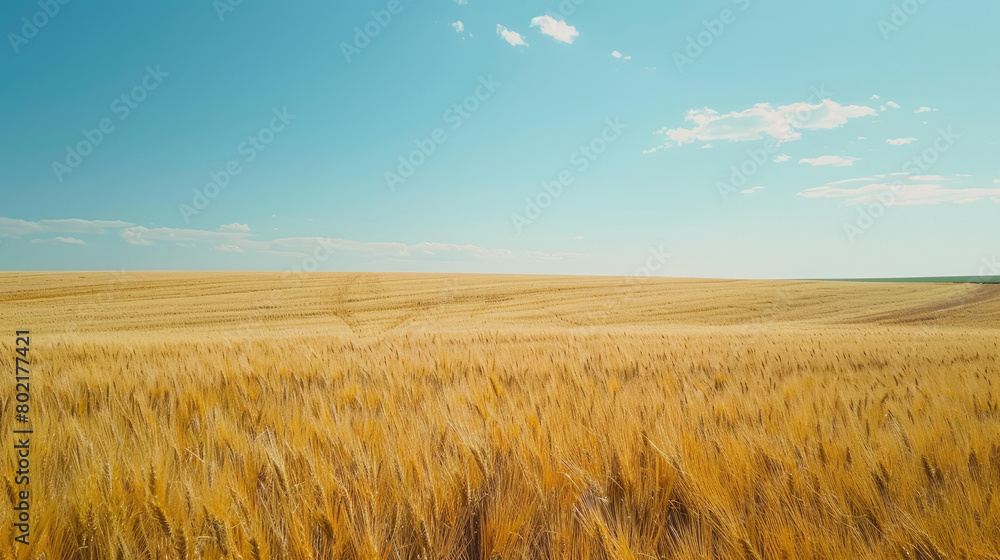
361,416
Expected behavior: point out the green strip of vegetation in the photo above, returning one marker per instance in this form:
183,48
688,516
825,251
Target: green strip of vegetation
927,279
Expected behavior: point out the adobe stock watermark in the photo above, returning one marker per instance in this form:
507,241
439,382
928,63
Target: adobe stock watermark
568,7
365,34
713,29
900,16
989,271
322,252
655,260
580,161
919,164
249,150
33,24
122,107
454,117
225,7
757,158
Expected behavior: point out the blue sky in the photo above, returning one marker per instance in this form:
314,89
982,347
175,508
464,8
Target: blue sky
733,138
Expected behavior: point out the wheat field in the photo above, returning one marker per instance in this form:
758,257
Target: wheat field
405,416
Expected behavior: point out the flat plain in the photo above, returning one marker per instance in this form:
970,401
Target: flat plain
383,416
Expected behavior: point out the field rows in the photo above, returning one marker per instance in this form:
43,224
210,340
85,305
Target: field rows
419,416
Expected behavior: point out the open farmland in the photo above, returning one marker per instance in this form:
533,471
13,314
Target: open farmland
384,416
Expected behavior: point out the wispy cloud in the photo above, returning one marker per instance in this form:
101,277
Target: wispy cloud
16,228
784,123
845,181
832,161
900,141
911,190
60,241
237,238
924,110
237,227
423,250
243,241
539,256
141,235
619,55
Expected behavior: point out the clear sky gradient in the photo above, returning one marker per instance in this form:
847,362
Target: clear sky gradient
732,138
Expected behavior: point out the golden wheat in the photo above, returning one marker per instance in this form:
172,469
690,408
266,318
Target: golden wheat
362,416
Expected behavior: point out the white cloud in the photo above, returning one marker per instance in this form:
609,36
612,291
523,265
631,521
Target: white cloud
16,228
900,141
238,242
924,110
862,138
140,235
60,241
782,158
784,123
539,256
617,54
133,238
558,30
461,2
512,37
751,191
875,97
908,195
390,249
912,190
458,26
284,253
706,147
237,238
844,181
893,105
833,161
